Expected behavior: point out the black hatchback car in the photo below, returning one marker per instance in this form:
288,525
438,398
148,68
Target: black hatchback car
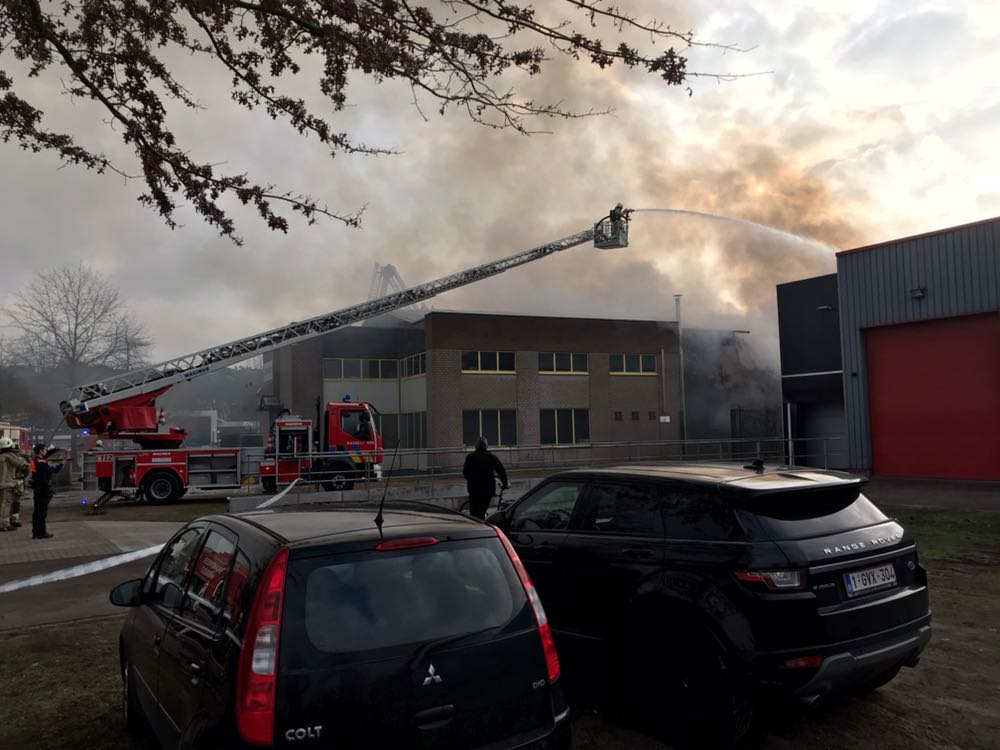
314,629
692,586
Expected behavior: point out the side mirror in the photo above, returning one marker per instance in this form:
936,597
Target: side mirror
128,594
498,519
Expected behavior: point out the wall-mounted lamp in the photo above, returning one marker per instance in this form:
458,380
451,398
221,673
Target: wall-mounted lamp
918,293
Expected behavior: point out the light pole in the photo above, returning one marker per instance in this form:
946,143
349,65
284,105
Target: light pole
680,357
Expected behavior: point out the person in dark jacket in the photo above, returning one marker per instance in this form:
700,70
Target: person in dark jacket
481,468
42,484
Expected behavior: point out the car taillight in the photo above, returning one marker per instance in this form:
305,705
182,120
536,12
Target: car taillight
548,642
779,580
257,676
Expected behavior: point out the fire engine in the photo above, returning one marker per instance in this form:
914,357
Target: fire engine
349,446
18,435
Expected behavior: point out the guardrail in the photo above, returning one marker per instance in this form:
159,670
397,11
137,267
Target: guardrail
431,465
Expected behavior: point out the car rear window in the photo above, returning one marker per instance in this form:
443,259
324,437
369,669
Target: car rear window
378,600
807,513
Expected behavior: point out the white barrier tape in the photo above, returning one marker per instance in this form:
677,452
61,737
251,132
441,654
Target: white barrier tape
276,498
80,570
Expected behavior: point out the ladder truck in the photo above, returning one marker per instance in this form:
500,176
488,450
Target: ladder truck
123,406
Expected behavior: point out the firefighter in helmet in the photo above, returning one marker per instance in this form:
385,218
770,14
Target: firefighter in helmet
11,464
20,487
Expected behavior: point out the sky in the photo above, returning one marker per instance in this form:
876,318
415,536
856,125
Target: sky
856,122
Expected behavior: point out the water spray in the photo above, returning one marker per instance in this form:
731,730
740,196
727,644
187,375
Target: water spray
744,222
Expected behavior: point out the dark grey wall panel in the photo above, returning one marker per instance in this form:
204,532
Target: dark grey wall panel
808,336
959,269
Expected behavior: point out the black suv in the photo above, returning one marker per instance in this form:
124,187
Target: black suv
688,586
317,630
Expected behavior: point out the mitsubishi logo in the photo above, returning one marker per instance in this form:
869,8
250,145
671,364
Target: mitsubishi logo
432,676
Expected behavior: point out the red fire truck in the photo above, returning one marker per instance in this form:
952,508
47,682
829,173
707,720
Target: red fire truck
349,448
18,435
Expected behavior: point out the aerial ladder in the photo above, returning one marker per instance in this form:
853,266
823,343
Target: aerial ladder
123,406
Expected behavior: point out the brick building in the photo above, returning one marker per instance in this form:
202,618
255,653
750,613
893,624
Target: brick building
442,380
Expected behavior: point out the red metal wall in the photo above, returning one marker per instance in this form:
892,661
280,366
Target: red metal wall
934,398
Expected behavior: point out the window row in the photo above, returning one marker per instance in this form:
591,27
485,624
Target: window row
409,428
619,416
633,364
570,363
499,426
415,365
564,362
354,368
487,361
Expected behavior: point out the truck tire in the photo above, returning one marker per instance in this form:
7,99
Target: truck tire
269,485
161,487
338,478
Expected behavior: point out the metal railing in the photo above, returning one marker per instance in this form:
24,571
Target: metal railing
444,465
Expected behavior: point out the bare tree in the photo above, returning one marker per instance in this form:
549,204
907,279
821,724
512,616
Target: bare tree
74,319
451,53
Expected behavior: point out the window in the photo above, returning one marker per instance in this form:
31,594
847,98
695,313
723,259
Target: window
412,366
204,598
548,508
652,416
618,416
632,364
388,427
624,509
168,586
635,416
564,426
562,362
496,425
352,604
692,513
367,369
487,361
413,429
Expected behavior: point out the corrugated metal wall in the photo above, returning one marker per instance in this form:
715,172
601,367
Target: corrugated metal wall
958,268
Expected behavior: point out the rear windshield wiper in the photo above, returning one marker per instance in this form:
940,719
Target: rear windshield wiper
437,643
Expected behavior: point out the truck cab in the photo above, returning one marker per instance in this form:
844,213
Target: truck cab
348,450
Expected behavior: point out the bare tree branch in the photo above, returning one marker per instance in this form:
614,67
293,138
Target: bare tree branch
457,53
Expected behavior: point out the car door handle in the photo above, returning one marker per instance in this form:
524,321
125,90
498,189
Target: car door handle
638,552
194,667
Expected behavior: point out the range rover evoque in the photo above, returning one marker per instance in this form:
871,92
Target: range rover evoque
694,586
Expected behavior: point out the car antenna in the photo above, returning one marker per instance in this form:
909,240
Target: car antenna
378,518
756,465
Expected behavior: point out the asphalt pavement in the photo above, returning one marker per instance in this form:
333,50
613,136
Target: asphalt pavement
72,543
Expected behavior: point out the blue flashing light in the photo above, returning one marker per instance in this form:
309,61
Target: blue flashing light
85,431
347,397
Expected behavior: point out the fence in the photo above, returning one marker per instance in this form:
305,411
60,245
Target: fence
445,464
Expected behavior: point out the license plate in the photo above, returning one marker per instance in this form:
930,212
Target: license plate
870,579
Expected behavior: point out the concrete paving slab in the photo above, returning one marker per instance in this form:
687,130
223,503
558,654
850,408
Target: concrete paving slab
77,539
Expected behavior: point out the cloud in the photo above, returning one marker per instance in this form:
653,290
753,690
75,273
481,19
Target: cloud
814,149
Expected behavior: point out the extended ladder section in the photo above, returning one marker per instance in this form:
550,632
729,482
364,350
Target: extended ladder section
139,388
